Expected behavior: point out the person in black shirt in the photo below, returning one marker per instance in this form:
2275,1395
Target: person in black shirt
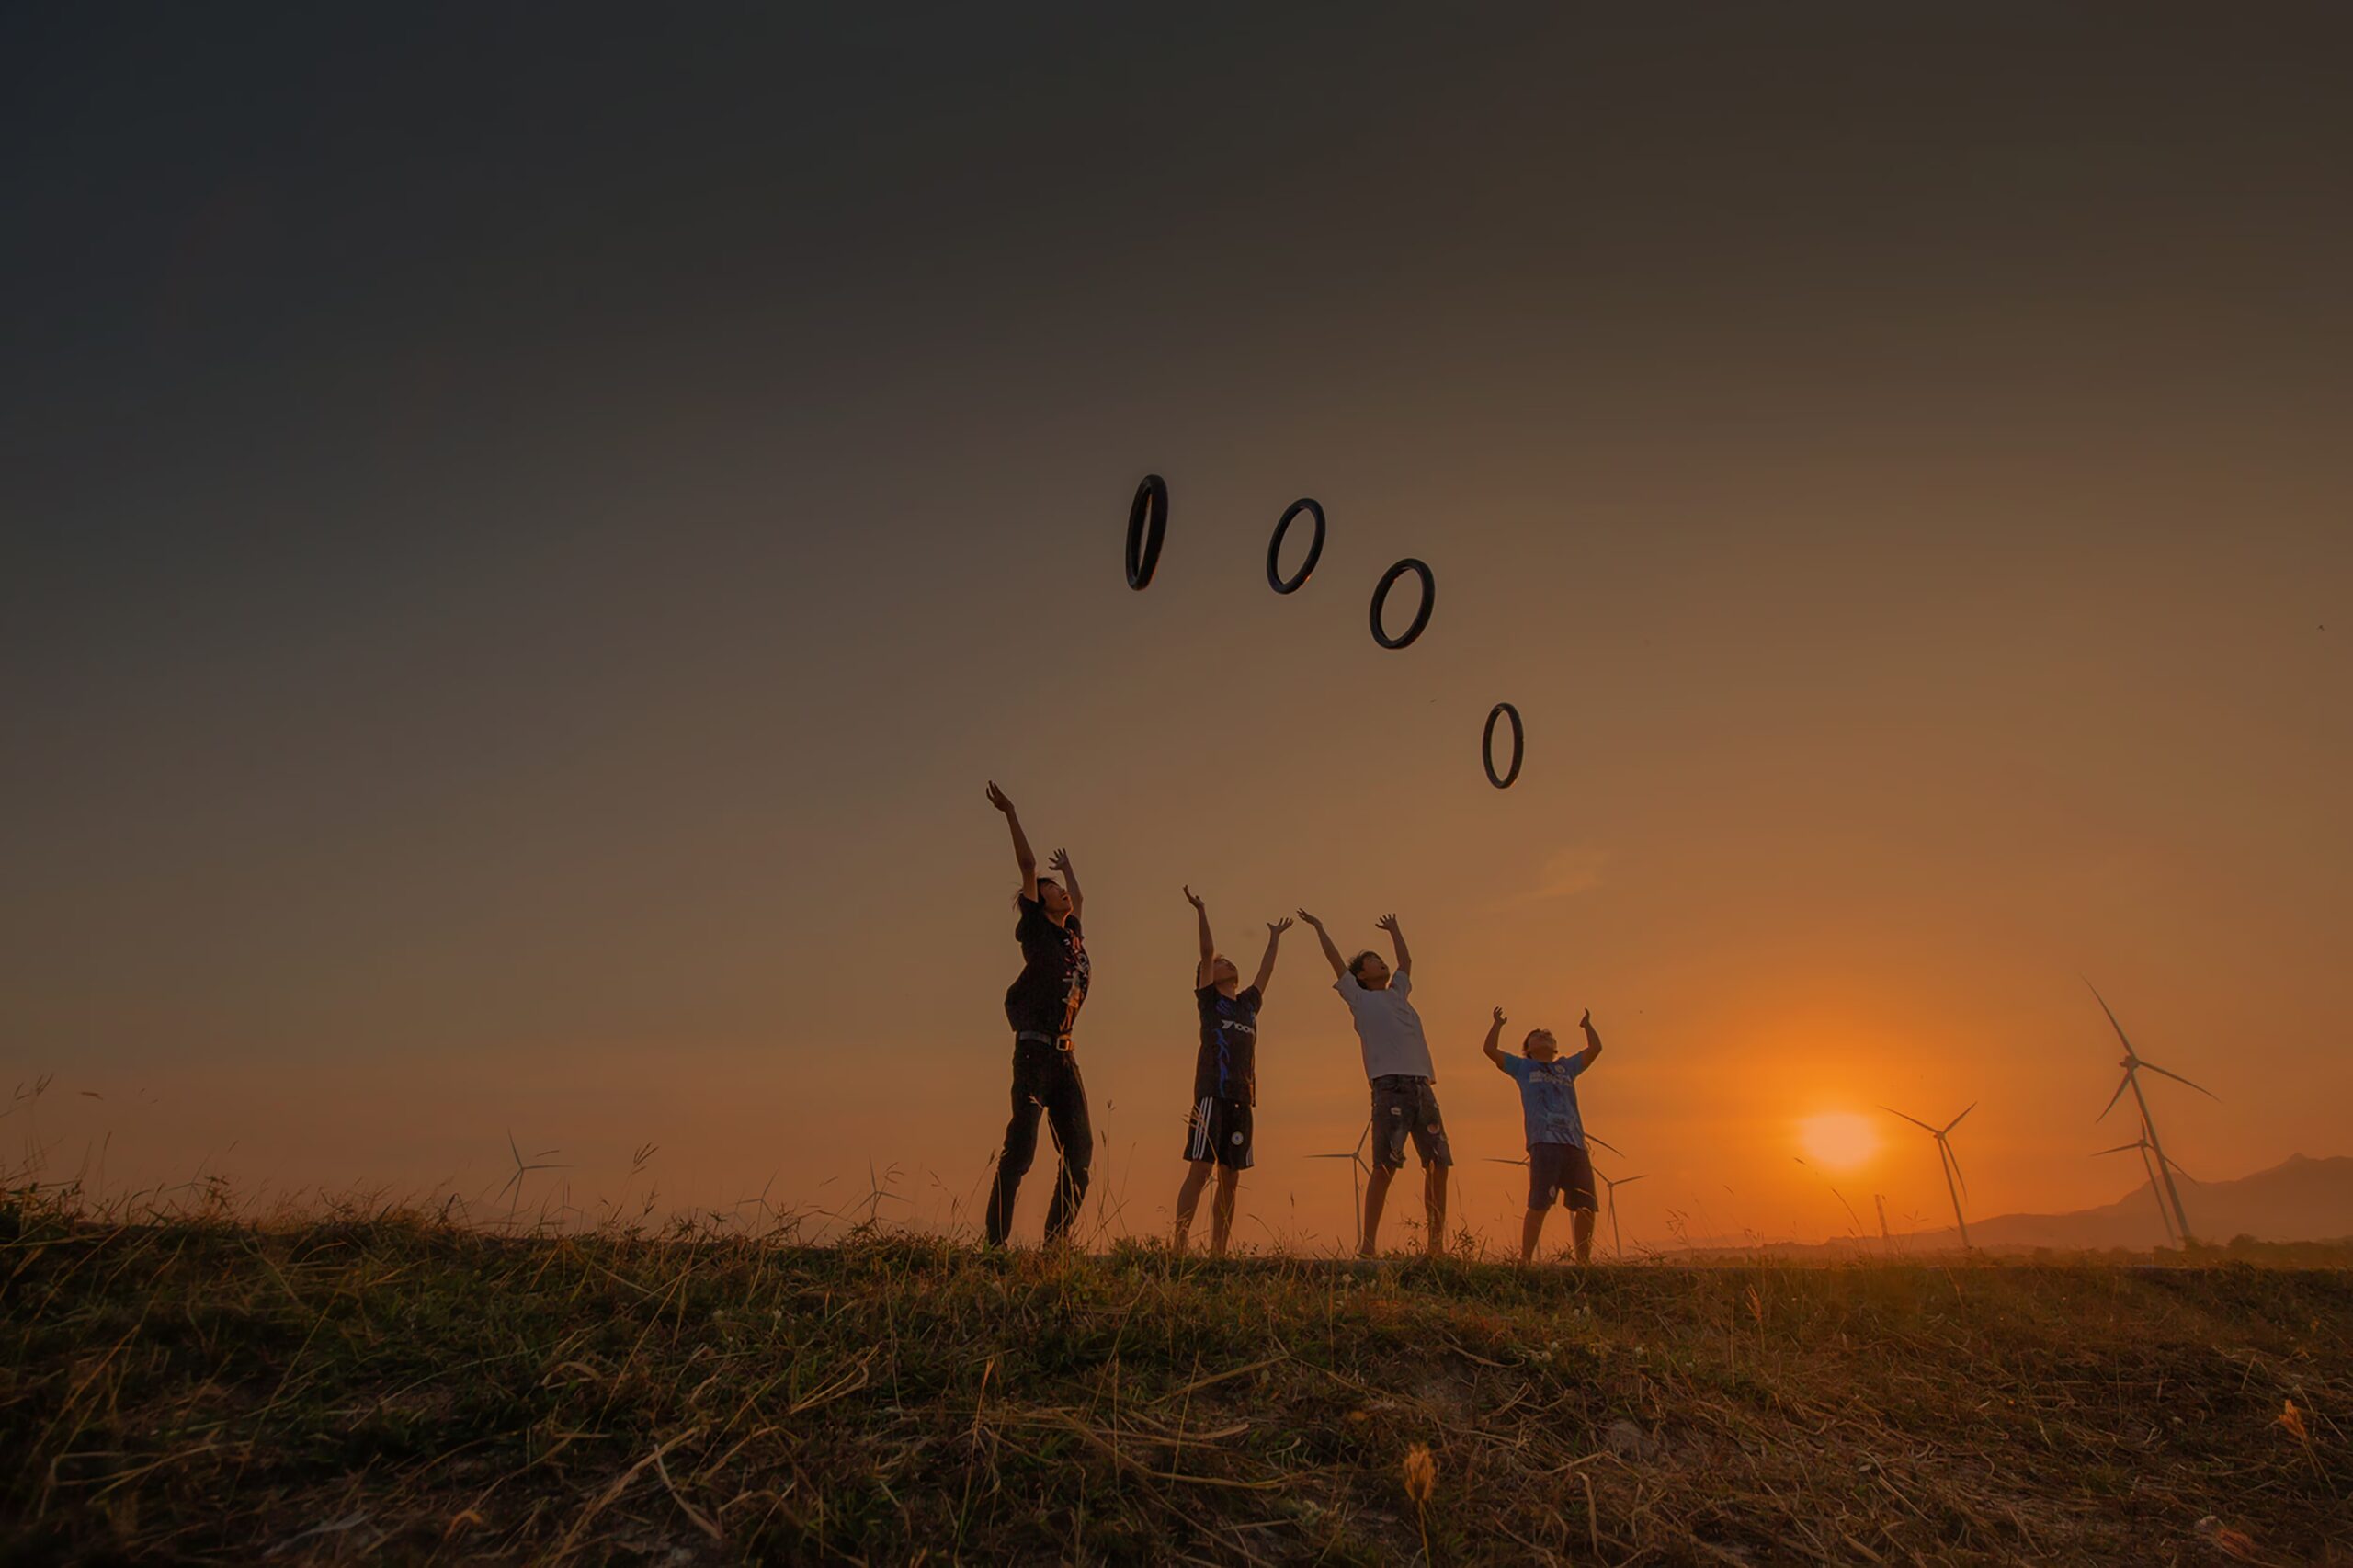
1042,1006
1225,1081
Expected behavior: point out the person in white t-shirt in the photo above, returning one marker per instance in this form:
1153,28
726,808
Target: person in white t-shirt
1397,1063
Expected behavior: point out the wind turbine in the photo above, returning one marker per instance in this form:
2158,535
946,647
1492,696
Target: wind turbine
1356,1171
1612,1186
1605,1182
2133,1064
1947,1160
2148,1167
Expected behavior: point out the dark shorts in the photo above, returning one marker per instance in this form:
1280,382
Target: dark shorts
1564,1168
1220,1129
1402,1108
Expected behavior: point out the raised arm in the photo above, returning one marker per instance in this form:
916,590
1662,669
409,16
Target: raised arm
1205,970
1494,1048
1021,852
1397,939
1061,862
1275,929
1339,964
1592,1041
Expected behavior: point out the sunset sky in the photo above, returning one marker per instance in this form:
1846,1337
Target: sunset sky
525,535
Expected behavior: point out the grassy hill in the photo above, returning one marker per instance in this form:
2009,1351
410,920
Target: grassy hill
395,1389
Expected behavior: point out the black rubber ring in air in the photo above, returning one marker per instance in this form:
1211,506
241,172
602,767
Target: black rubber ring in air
1487,744
1380,596
1143,546
1292,583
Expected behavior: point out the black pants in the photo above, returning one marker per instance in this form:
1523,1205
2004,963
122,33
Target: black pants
1045,1079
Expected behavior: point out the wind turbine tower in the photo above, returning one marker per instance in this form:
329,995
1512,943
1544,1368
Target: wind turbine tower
2133,1067
1946,1160
1356,1174
1616,1245
2149,1167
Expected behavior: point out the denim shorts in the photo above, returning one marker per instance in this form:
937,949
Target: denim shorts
1403,1107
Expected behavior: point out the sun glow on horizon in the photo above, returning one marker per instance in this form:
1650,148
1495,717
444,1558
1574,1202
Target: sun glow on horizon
1839,1139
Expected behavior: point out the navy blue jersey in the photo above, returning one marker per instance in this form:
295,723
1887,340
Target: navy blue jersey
1227,1068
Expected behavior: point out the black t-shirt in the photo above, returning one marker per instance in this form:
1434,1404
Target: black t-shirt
1054,971
1227,1068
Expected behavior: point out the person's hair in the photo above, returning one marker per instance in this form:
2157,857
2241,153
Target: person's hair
1356,964
1532,1038
1043,884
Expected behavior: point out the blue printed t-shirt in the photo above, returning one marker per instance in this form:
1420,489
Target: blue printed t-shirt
1227,1067
1548,1097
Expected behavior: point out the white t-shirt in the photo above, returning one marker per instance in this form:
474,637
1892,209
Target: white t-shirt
1387,1026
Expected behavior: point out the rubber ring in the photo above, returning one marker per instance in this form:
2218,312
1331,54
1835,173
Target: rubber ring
1487,744
1297,580
1143,548
1380,596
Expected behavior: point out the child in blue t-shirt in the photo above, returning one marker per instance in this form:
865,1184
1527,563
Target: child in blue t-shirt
1557,1160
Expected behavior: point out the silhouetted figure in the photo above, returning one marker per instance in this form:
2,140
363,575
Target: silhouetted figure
1225,1081
1042,1006
1397,1063
1557,1159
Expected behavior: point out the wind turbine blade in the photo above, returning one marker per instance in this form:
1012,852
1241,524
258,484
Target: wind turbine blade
2122,1085
1956,1120
1499,1160
1623,1181
2111,1020
1957,1170
2180,1079
2176,1166
2120,1148
1913,1119
1607,1144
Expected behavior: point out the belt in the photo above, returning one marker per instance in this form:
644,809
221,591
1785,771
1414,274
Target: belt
1060,1042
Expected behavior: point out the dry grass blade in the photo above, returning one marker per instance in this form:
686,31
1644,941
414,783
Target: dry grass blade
694,1516
612,1494
1214,1378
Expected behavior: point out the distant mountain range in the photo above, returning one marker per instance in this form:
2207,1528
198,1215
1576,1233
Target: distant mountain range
2301,1200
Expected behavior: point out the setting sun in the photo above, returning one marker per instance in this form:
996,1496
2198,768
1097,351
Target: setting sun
1838,1139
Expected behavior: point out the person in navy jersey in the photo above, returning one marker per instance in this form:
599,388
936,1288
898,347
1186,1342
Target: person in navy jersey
1042,1006
1557,1160
1225,1081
